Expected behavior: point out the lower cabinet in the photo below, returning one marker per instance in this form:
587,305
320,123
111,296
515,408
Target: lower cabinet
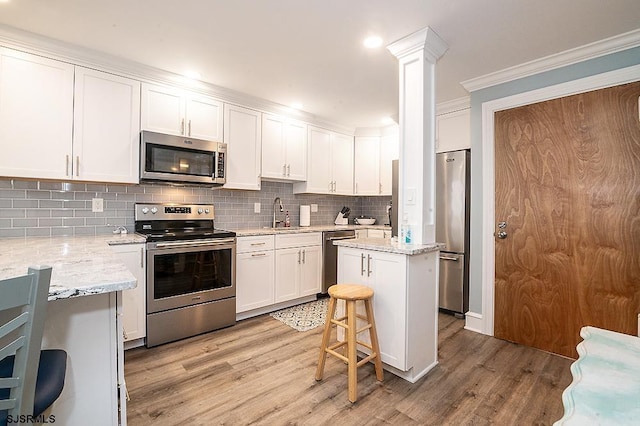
298,272
255,273
272,270
134,306
385,273
405,305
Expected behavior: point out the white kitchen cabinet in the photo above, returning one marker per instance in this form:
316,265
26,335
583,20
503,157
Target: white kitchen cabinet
106,127
134,304
180,112
367,165
405,305
284,143
255,272
389,151
329,163
372,162
298,265
242,133
36,115
453,131
385,273
53,128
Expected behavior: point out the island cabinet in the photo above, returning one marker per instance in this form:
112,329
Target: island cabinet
255,272
242,133
284,148
180,112
329,165
53,127
405,304
298,265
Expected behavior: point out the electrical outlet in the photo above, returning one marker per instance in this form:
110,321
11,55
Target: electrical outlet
256,207
97,205
314,208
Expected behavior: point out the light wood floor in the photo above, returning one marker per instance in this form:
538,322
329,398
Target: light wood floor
261,372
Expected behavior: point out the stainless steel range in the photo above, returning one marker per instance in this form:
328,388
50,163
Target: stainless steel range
190,271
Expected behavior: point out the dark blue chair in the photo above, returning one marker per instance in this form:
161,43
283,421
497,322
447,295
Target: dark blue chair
31,379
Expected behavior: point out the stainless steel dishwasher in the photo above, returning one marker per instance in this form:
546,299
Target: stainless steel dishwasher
330,254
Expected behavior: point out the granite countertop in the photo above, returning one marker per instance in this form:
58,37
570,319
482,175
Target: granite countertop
388,245
82,265
298,229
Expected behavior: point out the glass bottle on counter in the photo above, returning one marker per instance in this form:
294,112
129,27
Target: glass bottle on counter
287,220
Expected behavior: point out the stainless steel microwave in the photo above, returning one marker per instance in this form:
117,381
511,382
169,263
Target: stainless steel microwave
181,160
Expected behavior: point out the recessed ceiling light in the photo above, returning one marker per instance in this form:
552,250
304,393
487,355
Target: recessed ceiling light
194,75
372,42
296,105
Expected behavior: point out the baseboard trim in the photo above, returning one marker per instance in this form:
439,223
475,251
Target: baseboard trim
474,322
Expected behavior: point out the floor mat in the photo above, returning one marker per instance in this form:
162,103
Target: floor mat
304,317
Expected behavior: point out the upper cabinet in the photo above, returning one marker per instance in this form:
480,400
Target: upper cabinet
372,168
44,135
284,148
179,112
36,116
106,127
453,131
329,165
242,133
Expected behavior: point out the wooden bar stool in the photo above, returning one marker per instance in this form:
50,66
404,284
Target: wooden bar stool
350,293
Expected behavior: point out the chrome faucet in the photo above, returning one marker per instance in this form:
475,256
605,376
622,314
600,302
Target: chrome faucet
275,222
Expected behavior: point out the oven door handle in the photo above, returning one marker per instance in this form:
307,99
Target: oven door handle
197,243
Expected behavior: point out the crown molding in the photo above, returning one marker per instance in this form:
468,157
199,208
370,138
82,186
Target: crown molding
453,105
607,46
35,44
425,39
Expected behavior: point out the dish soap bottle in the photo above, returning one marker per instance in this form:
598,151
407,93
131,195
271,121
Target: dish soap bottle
287,220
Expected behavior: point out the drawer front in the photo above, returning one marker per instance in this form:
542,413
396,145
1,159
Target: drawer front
254,243
302,239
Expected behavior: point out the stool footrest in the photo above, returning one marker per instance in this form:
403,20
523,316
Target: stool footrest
367,359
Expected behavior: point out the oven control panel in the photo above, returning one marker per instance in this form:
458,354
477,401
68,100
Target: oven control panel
173,211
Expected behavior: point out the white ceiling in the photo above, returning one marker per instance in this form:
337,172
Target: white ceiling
311,50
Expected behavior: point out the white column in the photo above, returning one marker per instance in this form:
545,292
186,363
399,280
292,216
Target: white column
417,56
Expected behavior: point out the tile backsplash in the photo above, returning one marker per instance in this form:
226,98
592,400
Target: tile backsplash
50,208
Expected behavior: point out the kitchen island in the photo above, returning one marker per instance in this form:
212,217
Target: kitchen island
83,318
404,279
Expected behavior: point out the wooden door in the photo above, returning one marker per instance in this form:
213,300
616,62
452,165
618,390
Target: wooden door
568,188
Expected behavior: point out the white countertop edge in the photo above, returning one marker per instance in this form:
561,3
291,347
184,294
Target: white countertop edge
389,246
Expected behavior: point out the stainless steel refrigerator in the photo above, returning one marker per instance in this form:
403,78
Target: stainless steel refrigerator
452,229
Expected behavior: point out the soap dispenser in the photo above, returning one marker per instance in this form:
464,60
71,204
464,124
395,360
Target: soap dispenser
287,220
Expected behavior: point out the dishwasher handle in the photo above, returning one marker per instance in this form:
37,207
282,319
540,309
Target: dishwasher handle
340,238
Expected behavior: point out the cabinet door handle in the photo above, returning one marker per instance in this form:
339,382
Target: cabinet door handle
141,257
258,244
66,167
258,254
362,271
380,188
330,186
356,187
182,127
369,265
77,165
288,169
189,134
298,256
304,256
284,170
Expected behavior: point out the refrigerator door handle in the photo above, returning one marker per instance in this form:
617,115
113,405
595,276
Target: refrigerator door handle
445,257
